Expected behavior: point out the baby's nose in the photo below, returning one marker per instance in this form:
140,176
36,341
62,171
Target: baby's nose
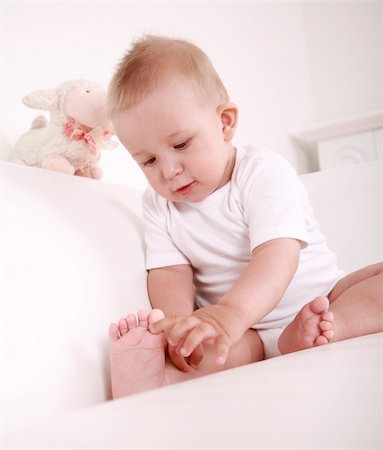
171,169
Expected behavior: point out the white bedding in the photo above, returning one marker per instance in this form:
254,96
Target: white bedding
324,398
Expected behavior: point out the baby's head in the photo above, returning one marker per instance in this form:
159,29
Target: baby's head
172,112
152,61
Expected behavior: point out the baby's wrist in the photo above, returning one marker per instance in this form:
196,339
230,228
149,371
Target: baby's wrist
235,322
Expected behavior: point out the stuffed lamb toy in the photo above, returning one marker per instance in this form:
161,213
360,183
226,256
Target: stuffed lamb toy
77,132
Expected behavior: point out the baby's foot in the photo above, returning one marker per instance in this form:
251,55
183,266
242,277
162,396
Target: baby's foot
137,357
312,326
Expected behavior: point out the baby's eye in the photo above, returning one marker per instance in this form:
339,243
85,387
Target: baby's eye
181,146
149,162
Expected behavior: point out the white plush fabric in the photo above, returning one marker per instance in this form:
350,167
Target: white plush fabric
73,261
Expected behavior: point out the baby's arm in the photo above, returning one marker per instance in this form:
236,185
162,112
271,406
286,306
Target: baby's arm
170,289
257,292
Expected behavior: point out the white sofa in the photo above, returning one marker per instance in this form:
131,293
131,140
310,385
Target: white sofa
72,262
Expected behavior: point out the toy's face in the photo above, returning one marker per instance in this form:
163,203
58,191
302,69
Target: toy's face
178,143
87,105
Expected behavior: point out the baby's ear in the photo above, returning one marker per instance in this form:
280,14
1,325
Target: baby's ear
228,113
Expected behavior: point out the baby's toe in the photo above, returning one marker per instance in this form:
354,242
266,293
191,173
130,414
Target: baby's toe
113,332
143,317
131,320
324,325
328,316
329,335
321,340
156,315
319,305
123,326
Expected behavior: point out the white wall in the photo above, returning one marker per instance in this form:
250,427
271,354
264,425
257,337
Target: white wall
345,57
286,64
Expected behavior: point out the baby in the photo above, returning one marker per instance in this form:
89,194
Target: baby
238,269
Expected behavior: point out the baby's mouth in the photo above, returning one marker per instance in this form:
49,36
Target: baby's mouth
186,190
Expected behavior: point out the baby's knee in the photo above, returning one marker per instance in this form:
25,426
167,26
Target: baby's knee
379,269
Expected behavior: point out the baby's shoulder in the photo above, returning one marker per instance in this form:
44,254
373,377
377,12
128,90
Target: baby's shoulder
258,163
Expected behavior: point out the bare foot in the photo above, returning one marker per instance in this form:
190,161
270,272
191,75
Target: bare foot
312,326
137,357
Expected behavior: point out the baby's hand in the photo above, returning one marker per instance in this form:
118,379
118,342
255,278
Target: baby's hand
213,324
183,363
174,354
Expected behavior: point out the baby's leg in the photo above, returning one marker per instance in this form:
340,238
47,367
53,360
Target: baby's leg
138,357
353,308
357,303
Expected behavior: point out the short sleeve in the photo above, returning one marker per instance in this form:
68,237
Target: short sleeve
273,199
160,249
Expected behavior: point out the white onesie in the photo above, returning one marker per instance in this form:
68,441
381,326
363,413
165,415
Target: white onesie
264,200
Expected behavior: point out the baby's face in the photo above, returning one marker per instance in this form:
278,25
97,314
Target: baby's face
178,143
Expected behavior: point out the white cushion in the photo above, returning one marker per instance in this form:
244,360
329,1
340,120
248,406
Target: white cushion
72,263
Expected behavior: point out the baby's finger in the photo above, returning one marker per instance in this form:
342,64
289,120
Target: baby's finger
162,325
196,336
223,347
196,357
177,360
181,328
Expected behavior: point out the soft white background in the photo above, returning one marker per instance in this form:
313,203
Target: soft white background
288,65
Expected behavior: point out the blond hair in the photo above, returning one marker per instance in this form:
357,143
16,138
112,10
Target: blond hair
151,61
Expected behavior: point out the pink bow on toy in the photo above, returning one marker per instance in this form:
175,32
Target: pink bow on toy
93,138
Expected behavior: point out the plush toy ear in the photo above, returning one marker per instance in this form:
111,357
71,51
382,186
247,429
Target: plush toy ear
45,99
